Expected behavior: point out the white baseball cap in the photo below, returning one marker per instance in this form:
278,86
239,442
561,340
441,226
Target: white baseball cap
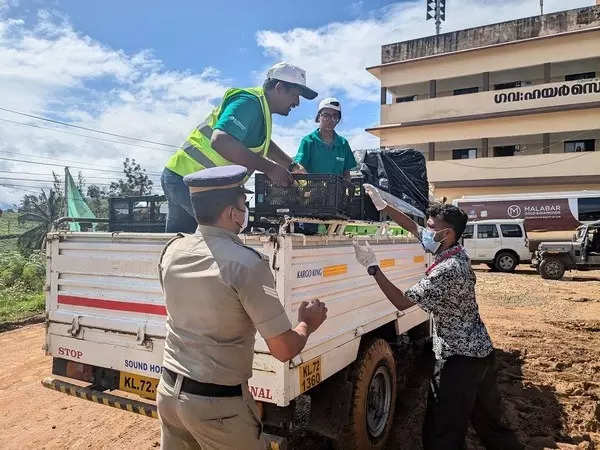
291,74
331,103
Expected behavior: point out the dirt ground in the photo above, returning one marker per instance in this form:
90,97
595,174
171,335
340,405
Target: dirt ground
547,334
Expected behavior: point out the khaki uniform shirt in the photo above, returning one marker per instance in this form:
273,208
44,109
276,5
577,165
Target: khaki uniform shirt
218,292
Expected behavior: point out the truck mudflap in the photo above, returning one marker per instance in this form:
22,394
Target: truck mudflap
131,405
92,395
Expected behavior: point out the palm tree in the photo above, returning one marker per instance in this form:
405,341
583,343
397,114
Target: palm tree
44,209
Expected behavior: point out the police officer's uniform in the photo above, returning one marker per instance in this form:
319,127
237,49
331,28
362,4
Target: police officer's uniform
218,294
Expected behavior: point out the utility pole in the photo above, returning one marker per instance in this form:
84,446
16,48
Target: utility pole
436,9
541,7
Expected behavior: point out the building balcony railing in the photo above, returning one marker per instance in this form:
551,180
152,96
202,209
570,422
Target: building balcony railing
534,99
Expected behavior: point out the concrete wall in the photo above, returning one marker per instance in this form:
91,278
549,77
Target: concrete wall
490,102
569,47
454,193
500,33
549,122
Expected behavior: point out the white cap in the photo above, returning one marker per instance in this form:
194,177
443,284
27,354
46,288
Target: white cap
331,103
292,74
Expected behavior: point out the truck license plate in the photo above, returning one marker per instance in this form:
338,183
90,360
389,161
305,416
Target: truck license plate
143,386
310,374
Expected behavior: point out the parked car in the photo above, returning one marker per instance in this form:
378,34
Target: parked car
583,253
500,243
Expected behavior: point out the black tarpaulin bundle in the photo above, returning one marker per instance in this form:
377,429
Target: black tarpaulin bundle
401,172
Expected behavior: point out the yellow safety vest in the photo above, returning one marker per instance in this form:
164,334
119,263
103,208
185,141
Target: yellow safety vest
197,154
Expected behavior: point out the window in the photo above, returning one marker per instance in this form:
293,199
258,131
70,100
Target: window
487,231
469,90
409,98
512,84
511,230
587,145
464,153
580,76
589,209
468,233
505,150
120,210
141,211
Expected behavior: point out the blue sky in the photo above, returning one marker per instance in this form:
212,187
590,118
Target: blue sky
154,69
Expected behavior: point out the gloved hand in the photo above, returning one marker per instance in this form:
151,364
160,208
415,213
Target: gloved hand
379,202
365,255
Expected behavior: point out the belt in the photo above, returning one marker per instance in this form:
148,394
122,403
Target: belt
205,389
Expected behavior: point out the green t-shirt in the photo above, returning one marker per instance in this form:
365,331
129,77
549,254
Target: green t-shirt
318,157
242,117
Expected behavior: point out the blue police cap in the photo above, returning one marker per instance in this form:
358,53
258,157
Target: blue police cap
216,178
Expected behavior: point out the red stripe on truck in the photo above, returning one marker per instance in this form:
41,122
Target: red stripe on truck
113,304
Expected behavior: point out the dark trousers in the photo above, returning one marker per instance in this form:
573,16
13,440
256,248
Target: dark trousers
464,389
180,215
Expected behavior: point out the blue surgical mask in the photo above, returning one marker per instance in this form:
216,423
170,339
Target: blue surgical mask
428,241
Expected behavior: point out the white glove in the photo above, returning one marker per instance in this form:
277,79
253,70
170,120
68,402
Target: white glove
365,255
379,202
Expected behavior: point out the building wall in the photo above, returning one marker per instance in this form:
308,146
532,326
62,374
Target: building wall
549,95
455,193
575,46
494,34
550,122
529,145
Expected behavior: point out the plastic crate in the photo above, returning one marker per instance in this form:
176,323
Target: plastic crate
142,214
313,195
360,206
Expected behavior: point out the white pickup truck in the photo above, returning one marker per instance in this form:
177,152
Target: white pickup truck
106,315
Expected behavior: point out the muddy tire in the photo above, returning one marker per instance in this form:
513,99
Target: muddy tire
506,262
373,398
552,268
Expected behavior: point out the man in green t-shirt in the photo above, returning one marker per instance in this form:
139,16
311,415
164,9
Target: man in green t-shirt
237,132
324,151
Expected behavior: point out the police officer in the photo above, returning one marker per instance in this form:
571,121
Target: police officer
218,293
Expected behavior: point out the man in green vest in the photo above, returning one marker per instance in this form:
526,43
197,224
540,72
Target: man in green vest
238,131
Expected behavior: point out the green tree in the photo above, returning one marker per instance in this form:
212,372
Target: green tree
97,200
136,181
43,209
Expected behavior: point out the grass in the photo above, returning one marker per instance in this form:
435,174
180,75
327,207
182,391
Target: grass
18,305
21,286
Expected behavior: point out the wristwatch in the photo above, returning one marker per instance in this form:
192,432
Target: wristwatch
372,270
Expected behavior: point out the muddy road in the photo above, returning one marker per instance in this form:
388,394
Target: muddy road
547,334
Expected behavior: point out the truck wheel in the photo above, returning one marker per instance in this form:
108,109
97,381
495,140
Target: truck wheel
552,268
373,398
506,262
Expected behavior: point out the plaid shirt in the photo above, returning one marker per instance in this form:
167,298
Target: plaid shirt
448,293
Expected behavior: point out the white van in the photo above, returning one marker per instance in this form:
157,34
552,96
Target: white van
500,243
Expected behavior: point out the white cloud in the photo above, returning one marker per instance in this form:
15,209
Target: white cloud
49,69
335,55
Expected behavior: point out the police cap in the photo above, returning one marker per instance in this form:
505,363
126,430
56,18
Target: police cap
217,178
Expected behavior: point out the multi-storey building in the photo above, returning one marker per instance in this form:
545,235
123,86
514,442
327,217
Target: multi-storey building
511,107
